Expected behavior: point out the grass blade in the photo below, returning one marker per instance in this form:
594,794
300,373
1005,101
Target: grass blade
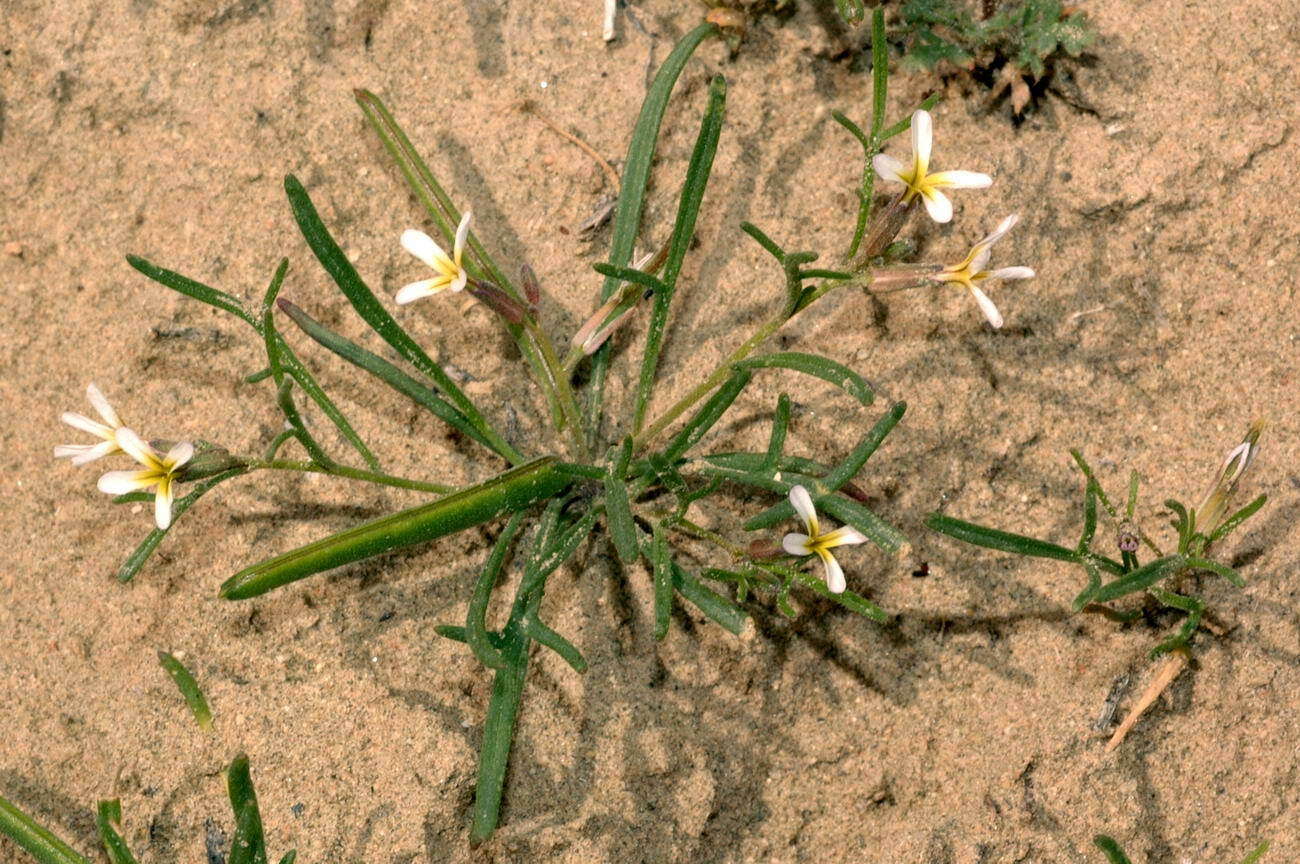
35,840
508,492
108,815
249,844
189,689
697,179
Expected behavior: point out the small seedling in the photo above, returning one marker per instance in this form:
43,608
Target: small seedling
1198,530
1115,854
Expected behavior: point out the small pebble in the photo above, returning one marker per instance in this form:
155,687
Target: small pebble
14,249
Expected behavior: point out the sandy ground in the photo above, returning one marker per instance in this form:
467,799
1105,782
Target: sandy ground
1155,184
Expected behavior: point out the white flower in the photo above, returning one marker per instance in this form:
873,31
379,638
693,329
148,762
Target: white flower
159,473
817,543
917,177
451,272
80,454
971,270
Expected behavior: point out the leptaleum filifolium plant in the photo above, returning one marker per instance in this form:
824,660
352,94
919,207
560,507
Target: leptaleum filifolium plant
247,846
1115,853
635,475
1198,529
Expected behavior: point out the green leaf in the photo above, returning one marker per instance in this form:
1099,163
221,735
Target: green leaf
618,514
396,379
1114,854
1140,579
108,815
137,559
631,195
476,634
249,843
818,367
763,240
1089,516
1230,524
189,689
294,368
631,274
663,580
1003,541
508,492
284,397
192,288
697,179
1256,854
1220,569
780,426
339,268
708,601
33,839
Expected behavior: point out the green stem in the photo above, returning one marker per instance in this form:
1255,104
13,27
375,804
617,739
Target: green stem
557,380
350,473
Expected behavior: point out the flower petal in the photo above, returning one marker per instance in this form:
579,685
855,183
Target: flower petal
458,282
85,424
162,505
1010,273
796,544
417,290
136,448
121,482
922,139
422,246
1001,231
834,573
843,536
959,180
803,505
462,231
101,405
937,205
980,259
180,453
99,451
889,168
986,306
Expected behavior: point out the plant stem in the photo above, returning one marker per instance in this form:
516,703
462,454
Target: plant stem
351,473
558,382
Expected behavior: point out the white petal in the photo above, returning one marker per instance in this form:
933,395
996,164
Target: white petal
101,405
960,180
938,205
70,451
180,453
796,544
85,424
136,448
99,451
889,168
922,138
162,505
422,246
803,505
458,283
1001,231
981,259
834,574
416,290
462,231
122,482
1011,273
843,536
986,306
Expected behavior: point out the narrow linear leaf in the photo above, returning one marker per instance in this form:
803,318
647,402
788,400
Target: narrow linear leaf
906,123
819,367
707,416
107,817
192,288
877,530
1256,854
708,601
1114,853
618,513
33,839
663,580
453,632
765,241
1140,579
396,379
780,426
1230,524
189,689
284,397
1003,541
508,492
631,274
249,844
697,179
1220,569
476,633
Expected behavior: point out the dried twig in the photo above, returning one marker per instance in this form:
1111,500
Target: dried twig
529,107
1174,664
